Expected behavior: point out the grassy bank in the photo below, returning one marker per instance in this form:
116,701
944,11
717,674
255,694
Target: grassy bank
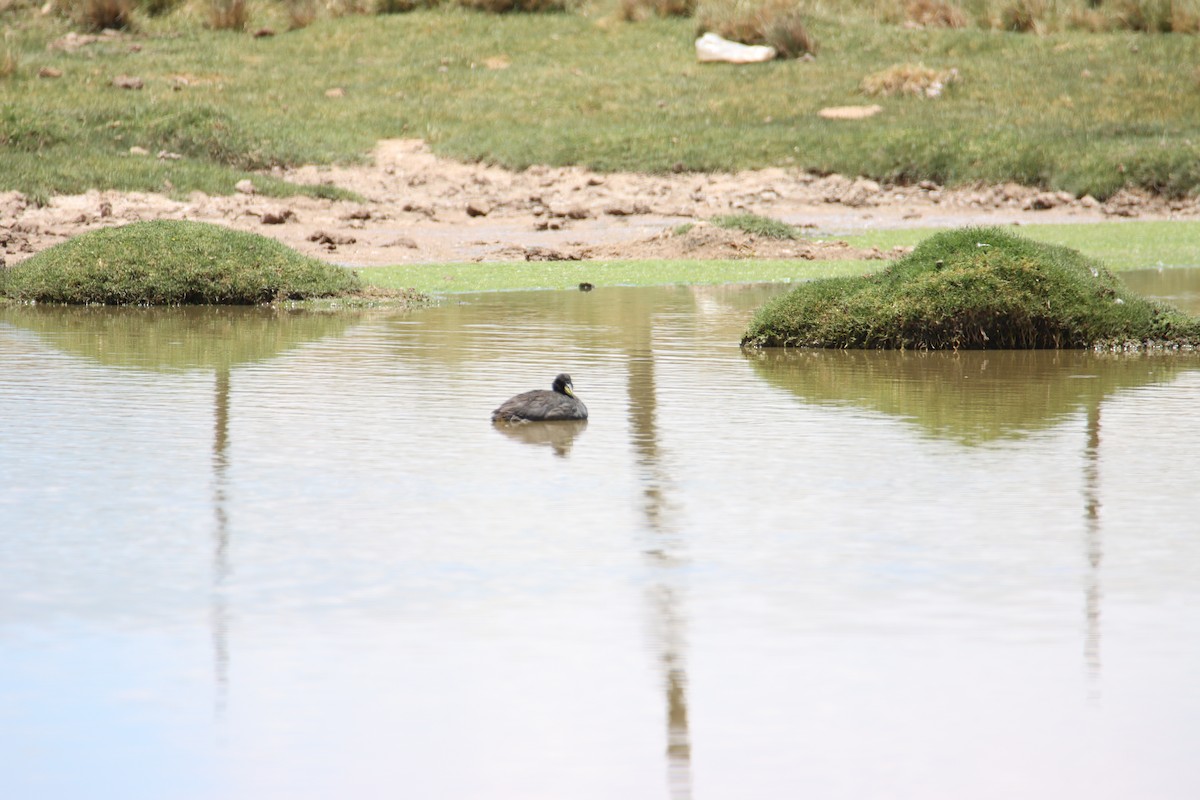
1084,112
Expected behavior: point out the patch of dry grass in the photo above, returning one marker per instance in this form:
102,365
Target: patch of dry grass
402,6
228,15
1155,16
509,6
300,13
97,15
1024,16
935,14
916,80
636,10
1043,16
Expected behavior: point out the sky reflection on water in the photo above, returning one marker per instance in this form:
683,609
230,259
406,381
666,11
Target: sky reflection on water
306,565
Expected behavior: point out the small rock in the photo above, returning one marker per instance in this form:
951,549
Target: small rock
849,112
49,72
138,151
335,92
11,205
862,192
245,186
416,209
330,240
627,209
548,254
277,217
1012,191
167,155
403,241
478,209
1042,201
127,82
1125,203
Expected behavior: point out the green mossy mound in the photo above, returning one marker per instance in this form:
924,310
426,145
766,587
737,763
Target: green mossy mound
973,288
170,262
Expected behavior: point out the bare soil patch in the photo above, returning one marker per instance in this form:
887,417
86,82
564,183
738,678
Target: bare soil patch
420,208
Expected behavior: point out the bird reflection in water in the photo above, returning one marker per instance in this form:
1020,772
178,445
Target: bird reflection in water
558,435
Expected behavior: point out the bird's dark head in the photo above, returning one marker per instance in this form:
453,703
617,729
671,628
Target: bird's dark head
562,385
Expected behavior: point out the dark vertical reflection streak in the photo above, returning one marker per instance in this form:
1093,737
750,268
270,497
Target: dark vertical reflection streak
1093,544
219,616
662,551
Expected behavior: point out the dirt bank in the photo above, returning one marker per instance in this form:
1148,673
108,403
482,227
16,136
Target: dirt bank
421,208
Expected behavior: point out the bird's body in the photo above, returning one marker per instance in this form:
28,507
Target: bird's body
543,404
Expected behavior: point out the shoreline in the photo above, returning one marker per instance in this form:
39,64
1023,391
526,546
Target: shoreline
418,208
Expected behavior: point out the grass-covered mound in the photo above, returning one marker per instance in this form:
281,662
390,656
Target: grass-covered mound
972,288
170,262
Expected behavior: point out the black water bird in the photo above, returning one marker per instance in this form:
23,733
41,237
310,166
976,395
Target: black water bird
541,405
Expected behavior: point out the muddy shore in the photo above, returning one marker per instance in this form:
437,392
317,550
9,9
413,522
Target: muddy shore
420,208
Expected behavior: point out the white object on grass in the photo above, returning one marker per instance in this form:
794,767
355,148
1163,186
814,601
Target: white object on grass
711,47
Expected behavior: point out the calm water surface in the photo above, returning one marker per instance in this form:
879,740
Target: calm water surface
256,555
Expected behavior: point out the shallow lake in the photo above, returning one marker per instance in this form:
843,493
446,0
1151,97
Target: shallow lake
250,554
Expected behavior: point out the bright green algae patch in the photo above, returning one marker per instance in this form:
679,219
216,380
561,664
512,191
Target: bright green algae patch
172,262
515,275
972,288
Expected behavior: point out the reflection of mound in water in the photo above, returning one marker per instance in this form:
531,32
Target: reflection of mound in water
557,434
971,397
176,337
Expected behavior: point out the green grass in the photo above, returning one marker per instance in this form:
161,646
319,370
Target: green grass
973,288
169,262
1074,111
455,278
758,225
